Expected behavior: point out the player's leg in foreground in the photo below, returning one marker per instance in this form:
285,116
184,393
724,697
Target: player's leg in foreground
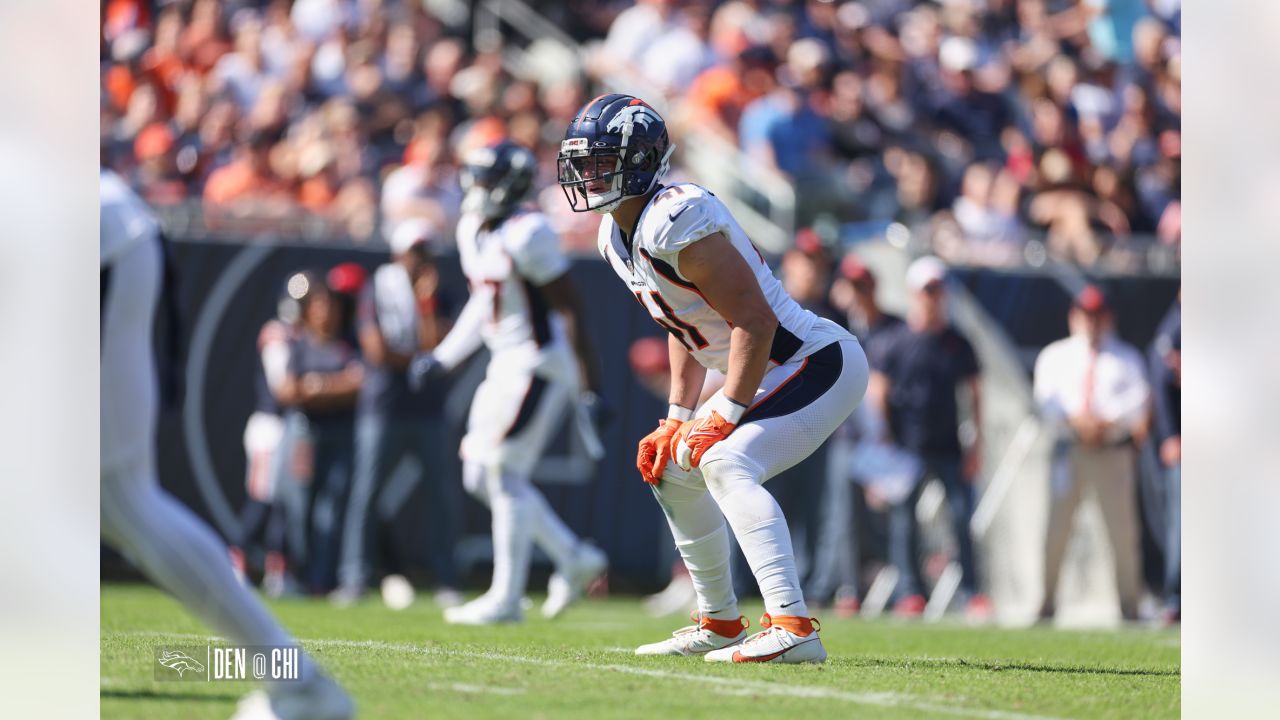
496,470
703,541
781,429
165,539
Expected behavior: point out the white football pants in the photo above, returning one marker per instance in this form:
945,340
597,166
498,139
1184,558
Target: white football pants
163,537
799,404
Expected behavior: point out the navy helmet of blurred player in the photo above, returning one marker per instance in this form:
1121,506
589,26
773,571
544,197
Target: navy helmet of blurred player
616,148
496,179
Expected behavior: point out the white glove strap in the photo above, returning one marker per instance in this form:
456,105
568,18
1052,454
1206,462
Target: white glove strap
679,412
728,409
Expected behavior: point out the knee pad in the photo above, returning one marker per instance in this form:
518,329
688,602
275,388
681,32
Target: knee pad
726,474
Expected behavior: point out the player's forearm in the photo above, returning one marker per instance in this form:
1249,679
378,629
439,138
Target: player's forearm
748,360
464,338
687,377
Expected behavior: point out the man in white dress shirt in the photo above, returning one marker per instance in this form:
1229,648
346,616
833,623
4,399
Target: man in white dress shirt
1093,389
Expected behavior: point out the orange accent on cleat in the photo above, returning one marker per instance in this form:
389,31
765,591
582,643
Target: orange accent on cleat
794,624
723,628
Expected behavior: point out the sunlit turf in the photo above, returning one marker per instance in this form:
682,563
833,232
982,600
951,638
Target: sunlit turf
410,664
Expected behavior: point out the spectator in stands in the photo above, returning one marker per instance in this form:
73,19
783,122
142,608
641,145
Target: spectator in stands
916,375
1092,389
158,179
854,293
249,184
715,100
915,177
426,186
975,115
1165,362
1085,123
784,131
321,384
401,312
982,226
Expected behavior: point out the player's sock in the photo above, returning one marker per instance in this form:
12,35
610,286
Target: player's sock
512,541
761,530
703,542
180,552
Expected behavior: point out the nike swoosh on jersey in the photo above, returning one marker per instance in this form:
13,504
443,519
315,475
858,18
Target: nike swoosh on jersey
678,213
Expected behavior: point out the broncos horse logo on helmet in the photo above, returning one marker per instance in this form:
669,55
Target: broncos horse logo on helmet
616,148
496,179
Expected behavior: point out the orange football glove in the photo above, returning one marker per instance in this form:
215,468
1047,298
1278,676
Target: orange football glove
654,450
696,437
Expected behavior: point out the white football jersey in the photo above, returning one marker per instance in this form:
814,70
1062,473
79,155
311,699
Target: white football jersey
675,217
124,218
506,265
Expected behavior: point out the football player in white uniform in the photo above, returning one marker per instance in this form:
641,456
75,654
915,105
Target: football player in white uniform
165,539
524,308
790,377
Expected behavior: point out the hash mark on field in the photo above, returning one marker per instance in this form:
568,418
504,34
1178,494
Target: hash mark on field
719,683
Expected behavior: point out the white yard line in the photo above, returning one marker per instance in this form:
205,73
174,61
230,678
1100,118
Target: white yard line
719,684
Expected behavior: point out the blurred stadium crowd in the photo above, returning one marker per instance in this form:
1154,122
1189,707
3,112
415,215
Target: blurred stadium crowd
980,123
987,127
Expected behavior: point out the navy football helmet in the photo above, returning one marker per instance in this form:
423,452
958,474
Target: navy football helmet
496,179
617,147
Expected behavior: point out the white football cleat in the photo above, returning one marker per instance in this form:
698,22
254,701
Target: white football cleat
483,611
704,637
566,586
319,698
785,639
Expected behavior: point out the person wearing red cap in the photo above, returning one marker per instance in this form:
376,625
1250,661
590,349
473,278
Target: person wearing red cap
854,293
1092,389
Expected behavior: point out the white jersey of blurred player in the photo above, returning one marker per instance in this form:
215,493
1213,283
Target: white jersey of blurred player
530,354
531,381
165,539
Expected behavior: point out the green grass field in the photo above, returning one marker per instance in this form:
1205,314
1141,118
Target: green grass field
411,665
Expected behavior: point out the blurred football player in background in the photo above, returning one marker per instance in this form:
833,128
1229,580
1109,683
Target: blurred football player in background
165,539
790,377
525,309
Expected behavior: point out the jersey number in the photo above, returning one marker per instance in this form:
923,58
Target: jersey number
685,333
